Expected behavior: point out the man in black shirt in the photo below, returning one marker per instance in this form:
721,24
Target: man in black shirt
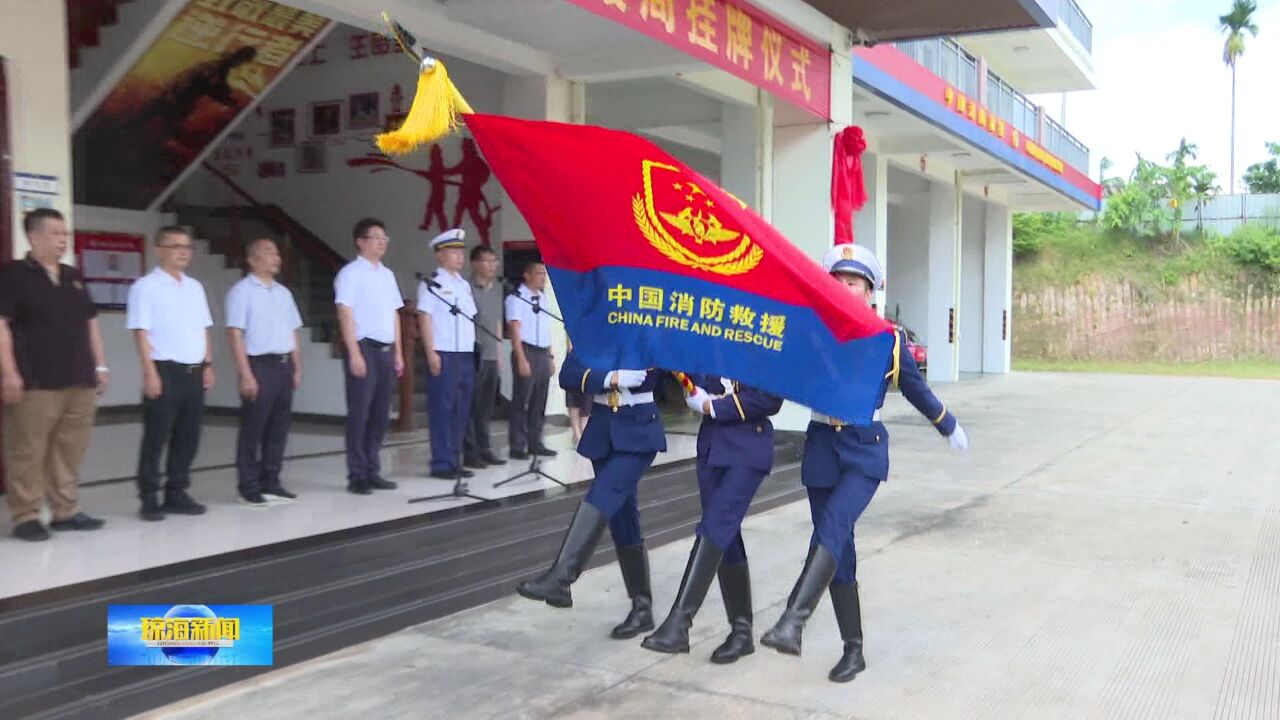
51,363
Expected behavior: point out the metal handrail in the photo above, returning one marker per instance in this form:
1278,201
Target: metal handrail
1011,105
946,59
1077,22
1065,145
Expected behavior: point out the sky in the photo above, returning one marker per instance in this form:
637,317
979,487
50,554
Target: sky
1160,77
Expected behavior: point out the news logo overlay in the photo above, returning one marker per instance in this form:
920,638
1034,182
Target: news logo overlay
190,635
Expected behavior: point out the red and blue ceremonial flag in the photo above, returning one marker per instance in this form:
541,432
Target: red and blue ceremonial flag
655,266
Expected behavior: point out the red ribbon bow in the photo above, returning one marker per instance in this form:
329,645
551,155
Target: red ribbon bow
848,191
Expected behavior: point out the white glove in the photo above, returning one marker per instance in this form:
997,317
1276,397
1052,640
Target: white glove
629,378
957,438
697,400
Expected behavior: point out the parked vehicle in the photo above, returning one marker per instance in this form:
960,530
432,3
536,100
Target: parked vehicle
918,351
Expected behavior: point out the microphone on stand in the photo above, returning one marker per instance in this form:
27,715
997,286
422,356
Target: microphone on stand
536,303
430,281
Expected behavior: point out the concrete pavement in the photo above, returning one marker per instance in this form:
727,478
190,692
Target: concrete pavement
1110,548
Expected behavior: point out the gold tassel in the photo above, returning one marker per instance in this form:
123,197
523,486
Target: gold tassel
434,112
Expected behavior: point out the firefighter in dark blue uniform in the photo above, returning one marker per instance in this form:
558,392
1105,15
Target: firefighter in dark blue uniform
842,468
735,453
621,441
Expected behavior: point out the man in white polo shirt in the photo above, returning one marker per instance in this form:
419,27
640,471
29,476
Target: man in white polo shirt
169,316
262,323
368,300
532,363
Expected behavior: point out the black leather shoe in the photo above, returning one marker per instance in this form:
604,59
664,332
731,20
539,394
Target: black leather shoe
252,499
475,463
492,459
451,474
79,521
380,483
735,588
31,531
358,487
178,502
673,635
277,494
552,586
151,509
633,561
785,636
844,598
518,455
543,452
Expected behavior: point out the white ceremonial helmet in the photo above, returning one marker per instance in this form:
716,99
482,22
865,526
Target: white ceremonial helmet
849,259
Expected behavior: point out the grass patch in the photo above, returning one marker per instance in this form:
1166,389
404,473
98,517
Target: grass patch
1068,253
1083,251
1257,369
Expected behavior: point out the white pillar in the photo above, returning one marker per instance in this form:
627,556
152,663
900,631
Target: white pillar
972,286
801,196
740,155
539,98
944,282
32,42
764,150
997,297
871,223
802,210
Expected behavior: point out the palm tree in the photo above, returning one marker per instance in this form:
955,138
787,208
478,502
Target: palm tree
1110,185
1204,183
1178,182
1186,151
1235,24
1104,165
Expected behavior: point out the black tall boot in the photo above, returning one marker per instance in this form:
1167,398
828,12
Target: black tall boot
785,635
634,563
735,588
808,559
673,635
579,543
844,598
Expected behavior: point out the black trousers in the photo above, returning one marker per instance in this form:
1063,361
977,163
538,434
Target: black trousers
264,424
368,410
529,400
171,420
486,395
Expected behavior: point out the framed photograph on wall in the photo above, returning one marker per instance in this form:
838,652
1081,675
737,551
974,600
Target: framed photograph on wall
283,128
363,111
326,118
312,156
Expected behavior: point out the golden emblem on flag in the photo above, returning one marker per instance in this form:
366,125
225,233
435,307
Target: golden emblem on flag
680,220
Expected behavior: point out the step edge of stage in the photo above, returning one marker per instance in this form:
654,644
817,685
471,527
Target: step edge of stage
104,585
136,696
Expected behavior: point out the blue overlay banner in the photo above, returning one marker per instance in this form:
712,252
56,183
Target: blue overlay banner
190,635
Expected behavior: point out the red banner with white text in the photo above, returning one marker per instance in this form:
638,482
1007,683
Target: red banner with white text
737,38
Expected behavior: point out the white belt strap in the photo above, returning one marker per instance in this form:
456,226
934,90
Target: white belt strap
626,397
828,420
